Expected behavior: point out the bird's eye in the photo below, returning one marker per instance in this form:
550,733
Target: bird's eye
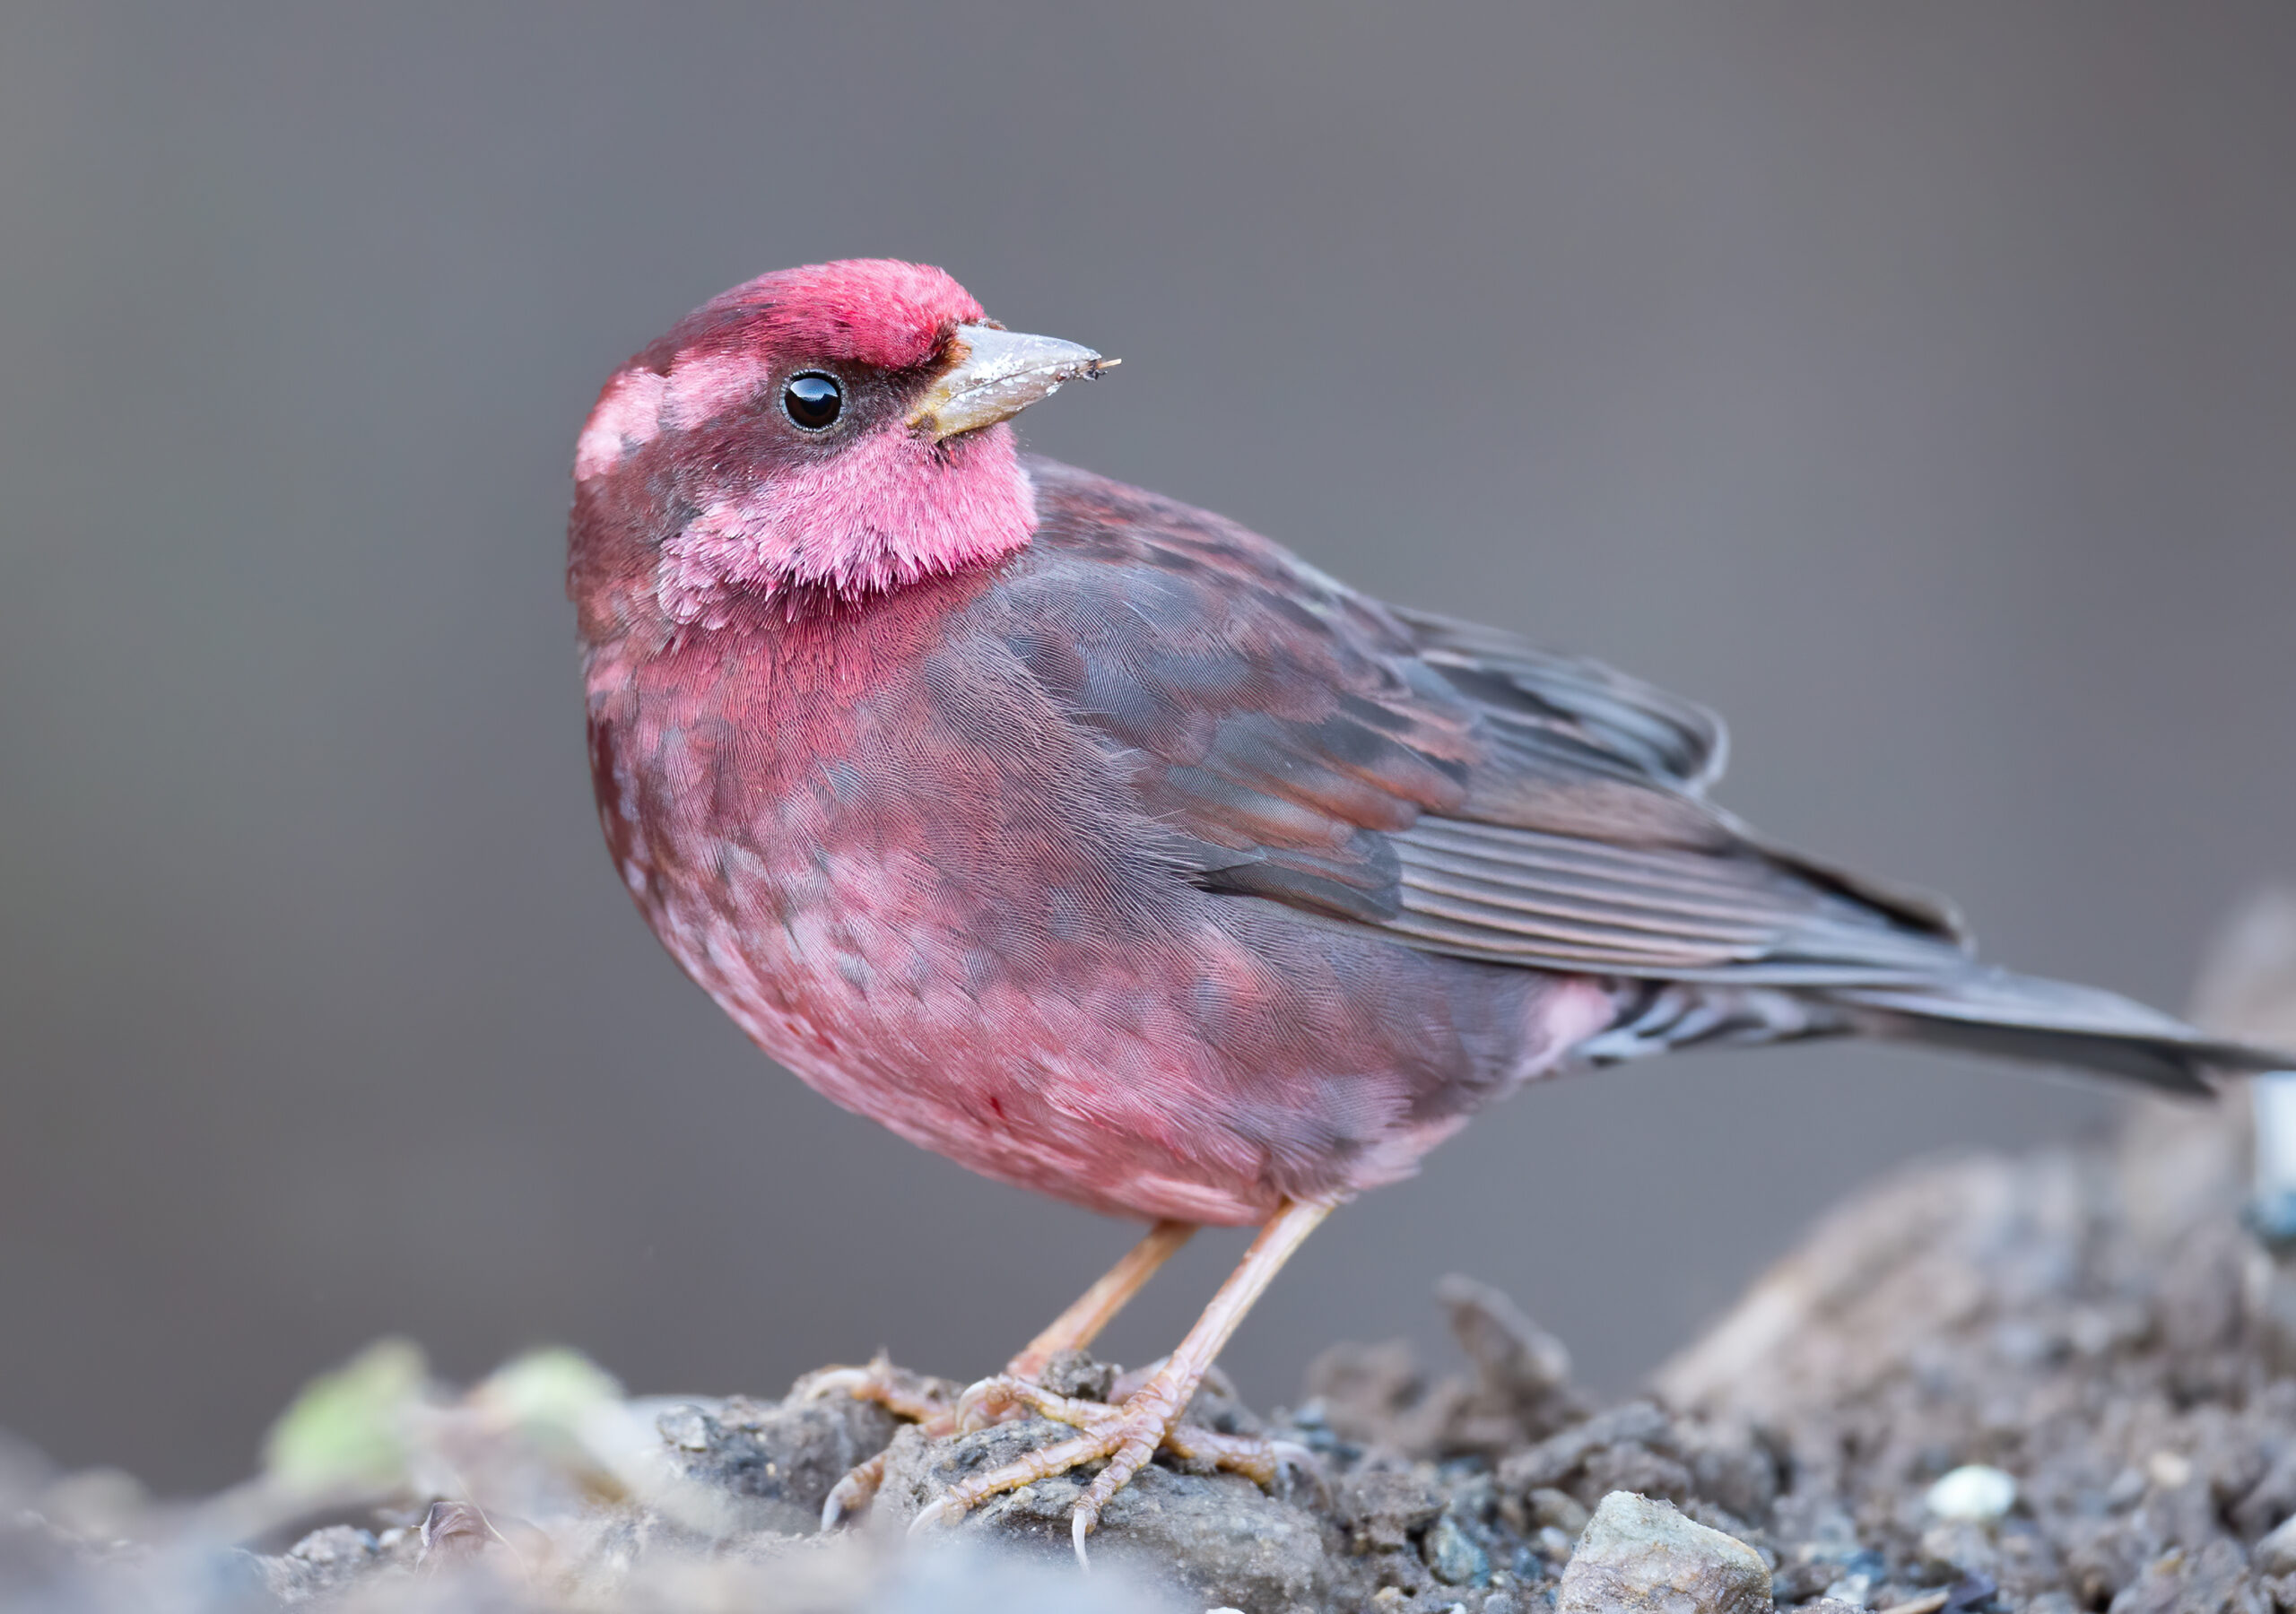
814,401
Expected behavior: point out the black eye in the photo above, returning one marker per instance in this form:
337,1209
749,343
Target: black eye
814,401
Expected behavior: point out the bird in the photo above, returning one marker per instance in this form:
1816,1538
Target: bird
1111,850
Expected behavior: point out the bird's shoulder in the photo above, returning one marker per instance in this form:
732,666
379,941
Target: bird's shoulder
1194,613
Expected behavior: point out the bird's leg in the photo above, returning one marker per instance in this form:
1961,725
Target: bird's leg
1127,1436
1097,1306
931,1403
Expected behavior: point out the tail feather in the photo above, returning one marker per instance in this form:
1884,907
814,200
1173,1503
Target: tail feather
1975,1008
1992,1011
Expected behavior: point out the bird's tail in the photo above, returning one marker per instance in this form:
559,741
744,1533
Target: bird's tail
1987,1010
1974,1008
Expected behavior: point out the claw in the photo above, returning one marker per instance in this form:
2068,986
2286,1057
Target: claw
941,1511
1079,1527
829,1381
972,1412
853,1492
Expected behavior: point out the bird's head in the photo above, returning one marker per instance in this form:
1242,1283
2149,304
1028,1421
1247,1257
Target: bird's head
838,429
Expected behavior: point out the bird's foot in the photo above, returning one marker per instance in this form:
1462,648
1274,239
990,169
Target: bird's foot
931,1403
1122,1437
917,1396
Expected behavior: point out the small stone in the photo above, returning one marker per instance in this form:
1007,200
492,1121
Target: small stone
1957,1548
1851,1591
2206,1582
1974,1492
2053,1602
322,1563
1561,1509
1382,1508
335,1544
2270,1499
685,1428
2276,1553
1456,1557
1642,1555
1631,1467
2168,1469
1074,1374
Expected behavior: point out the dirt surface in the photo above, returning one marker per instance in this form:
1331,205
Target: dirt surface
2090,1338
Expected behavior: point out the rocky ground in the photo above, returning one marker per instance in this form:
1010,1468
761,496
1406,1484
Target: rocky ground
2065,1381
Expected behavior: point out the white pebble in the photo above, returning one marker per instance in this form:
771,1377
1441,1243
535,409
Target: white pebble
2168,1469
1975,1492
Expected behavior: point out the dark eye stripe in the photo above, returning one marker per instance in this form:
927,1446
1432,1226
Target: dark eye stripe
813,401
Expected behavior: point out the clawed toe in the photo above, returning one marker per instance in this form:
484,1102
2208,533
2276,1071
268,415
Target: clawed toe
997,1397
1122,1439
934,1514
924,1400
916,1396
852,1494
832,1381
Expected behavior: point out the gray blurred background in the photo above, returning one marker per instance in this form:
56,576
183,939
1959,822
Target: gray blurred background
1916,383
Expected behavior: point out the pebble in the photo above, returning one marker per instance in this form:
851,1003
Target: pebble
1973,1492
2276,1553
1852,1589
685,1428
1561,1509
1643,1556
2168,1469
1456,1557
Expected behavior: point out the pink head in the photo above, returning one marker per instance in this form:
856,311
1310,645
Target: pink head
835,428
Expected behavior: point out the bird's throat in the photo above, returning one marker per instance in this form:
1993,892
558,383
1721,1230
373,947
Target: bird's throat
890,510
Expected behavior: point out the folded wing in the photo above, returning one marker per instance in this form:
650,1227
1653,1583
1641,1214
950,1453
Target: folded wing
1459,790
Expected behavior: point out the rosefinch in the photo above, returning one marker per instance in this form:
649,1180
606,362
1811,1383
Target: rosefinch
1104,846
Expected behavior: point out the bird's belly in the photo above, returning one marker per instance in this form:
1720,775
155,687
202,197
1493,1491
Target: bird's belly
1189,1067
1077,1077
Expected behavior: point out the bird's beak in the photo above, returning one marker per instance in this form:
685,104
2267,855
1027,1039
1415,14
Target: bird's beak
993,375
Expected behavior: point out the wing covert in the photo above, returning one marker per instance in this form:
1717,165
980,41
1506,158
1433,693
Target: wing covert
1453,787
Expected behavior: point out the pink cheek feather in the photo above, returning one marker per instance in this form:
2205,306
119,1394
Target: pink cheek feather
886,510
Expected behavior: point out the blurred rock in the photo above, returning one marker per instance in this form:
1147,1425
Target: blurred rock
1973,1492
1638,1553
2275,1553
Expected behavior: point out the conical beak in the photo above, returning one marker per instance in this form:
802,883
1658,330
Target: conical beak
993,375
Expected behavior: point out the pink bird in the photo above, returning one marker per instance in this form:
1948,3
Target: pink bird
1108,849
